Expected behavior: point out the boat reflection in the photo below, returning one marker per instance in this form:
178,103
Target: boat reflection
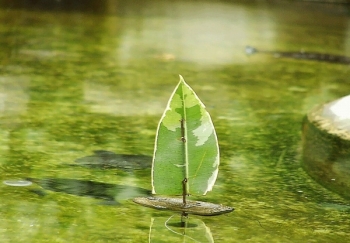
176,229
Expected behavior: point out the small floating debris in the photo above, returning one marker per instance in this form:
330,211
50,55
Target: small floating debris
302,55
176,204
17,182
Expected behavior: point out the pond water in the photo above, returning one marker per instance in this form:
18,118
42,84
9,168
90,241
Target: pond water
82,77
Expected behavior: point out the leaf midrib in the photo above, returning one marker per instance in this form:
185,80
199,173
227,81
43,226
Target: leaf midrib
186,162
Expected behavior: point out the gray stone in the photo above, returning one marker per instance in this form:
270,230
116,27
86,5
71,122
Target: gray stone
326,145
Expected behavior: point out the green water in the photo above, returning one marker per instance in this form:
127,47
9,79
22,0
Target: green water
73,81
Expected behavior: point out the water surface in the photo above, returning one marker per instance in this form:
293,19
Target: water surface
74,80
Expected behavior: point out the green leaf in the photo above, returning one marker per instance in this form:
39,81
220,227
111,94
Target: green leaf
186,146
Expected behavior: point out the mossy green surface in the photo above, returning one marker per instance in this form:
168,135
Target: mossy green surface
72,82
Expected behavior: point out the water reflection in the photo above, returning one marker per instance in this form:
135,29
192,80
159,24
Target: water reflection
171,228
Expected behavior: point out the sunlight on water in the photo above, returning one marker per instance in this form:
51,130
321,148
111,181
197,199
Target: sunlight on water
184,33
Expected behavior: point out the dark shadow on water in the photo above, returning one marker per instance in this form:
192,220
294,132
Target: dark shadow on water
102,159
111,193
182,225
302,55
52,5
80,6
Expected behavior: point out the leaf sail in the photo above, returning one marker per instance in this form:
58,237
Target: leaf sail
186,146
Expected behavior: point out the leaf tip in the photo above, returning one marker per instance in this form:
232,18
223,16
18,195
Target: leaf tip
181,78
